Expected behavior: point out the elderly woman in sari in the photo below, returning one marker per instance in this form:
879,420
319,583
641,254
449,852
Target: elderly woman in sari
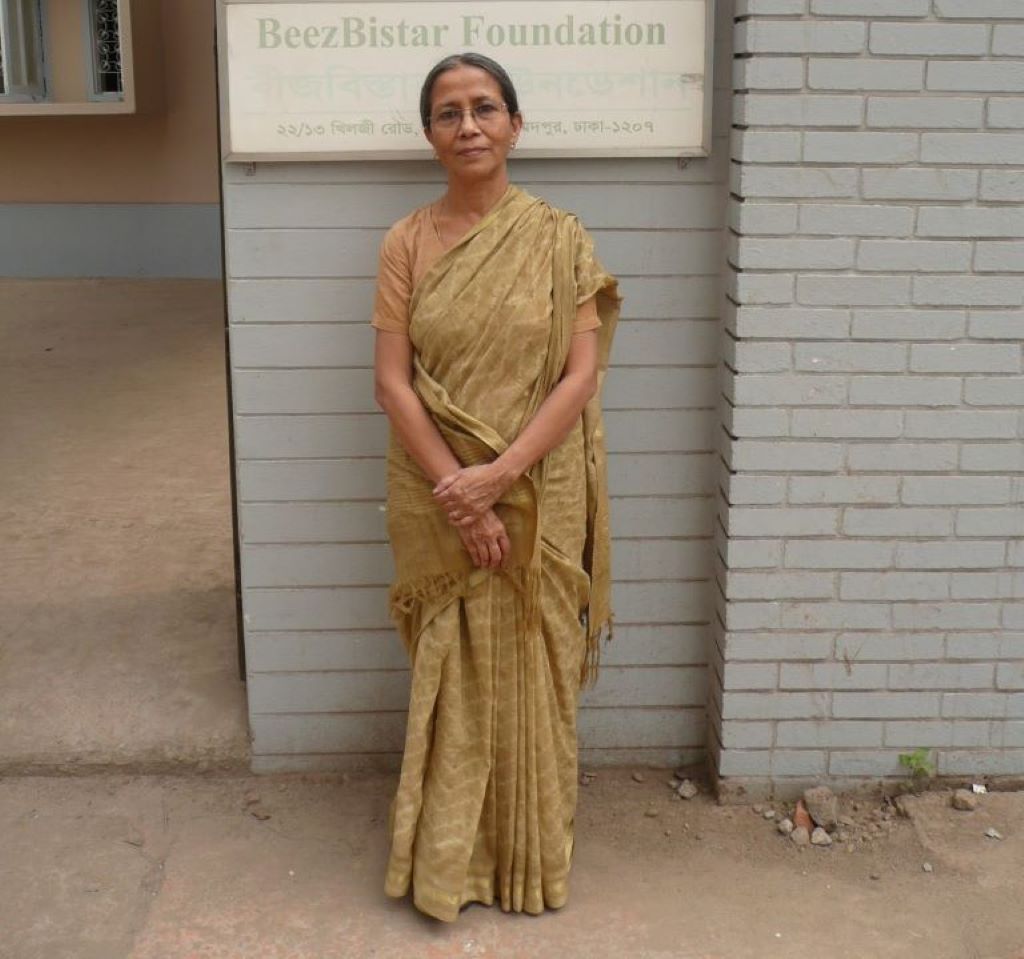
494,323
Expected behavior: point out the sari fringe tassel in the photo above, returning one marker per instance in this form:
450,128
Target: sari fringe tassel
527,580
592,657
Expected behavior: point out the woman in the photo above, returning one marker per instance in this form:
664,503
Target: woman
494,324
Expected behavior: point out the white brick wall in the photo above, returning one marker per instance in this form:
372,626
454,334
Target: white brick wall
870,571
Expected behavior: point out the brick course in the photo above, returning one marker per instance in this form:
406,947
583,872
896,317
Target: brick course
873,600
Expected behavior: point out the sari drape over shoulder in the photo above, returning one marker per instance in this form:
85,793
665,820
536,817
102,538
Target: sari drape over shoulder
488,788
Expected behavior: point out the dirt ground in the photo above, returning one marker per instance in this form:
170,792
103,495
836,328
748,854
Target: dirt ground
246,867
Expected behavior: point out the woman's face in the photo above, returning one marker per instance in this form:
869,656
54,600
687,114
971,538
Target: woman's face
473,147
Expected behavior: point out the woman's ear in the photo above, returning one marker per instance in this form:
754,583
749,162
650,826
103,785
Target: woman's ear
429,134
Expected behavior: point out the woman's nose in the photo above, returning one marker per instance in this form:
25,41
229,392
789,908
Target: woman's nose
470,117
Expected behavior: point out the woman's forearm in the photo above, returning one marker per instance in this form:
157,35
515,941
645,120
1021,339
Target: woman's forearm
550,425
417,432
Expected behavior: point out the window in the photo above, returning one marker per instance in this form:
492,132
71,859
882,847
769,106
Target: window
74,56
21,50
105,49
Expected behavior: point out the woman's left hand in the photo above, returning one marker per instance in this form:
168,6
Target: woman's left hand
468,493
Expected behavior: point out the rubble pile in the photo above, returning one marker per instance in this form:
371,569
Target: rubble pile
817,820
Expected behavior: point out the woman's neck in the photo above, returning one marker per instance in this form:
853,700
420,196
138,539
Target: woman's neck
474,200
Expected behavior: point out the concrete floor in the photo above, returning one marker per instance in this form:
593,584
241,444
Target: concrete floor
117,639
155,867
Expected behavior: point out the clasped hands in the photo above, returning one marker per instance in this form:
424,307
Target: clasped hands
468,496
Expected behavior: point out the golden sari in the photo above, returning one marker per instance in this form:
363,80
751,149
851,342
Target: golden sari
487,794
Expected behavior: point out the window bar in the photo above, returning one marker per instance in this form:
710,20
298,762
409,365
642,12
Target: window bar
106,33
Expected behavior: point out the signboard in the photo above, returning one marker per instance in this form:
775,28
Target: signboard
325,80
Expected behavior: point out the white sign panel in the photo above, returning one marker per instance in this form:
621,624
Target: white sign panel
315,80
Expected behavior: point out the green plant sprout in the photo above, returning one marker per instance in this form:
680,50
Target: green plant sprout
918,765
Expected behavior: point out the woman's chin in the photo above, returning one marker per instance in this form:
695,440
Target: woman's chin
478,166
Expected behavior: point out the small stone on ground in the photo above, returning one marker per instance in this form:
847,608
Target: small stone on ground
964,800
686,790
823,806
820,837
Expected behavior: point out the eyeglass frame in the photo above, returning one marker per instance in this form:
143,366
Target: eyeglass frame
501,104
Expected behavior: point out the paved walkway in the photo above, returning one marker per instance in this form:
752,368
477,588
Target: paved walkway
118,625
260,868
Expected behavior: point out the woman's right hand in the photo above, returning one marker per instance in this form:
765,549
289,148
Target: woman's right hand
486,540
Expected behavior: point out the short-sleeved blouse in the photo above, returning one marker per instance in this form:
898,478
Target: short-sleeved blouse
408,250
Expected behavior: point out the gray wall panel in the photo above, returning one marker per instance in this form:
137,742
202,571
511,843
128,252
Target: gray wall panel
658,431
358,732
329,675
629,474
350,300
271,651
686,753
304,391
350,345
644,516
303,346
650,686
341,732
654,387
660,474
322,564
330,434
659,516
370,564
370,691
167,240
365,690
365,434
300,301
338,390
364,607
352,252
670,559
658,206
353,607
286,480
312,522
626,727
536,173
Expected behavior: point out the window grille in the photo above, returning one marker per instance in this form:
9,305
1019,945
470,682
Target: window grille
105,29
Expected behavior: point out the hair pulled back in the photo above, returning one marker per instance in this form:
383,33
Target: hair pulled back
468,59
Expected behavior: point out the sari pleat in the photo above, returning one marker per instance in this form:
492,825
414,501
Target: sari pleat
485,805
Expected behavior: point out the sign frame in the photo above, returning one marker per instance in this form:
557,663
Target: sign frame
230,155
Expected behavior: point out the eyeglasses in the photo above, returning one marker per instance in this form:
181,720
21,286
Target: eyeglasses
485,113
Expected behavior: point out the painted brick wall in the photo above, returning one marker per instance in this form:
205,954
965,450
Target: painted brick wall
328,679
870,553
